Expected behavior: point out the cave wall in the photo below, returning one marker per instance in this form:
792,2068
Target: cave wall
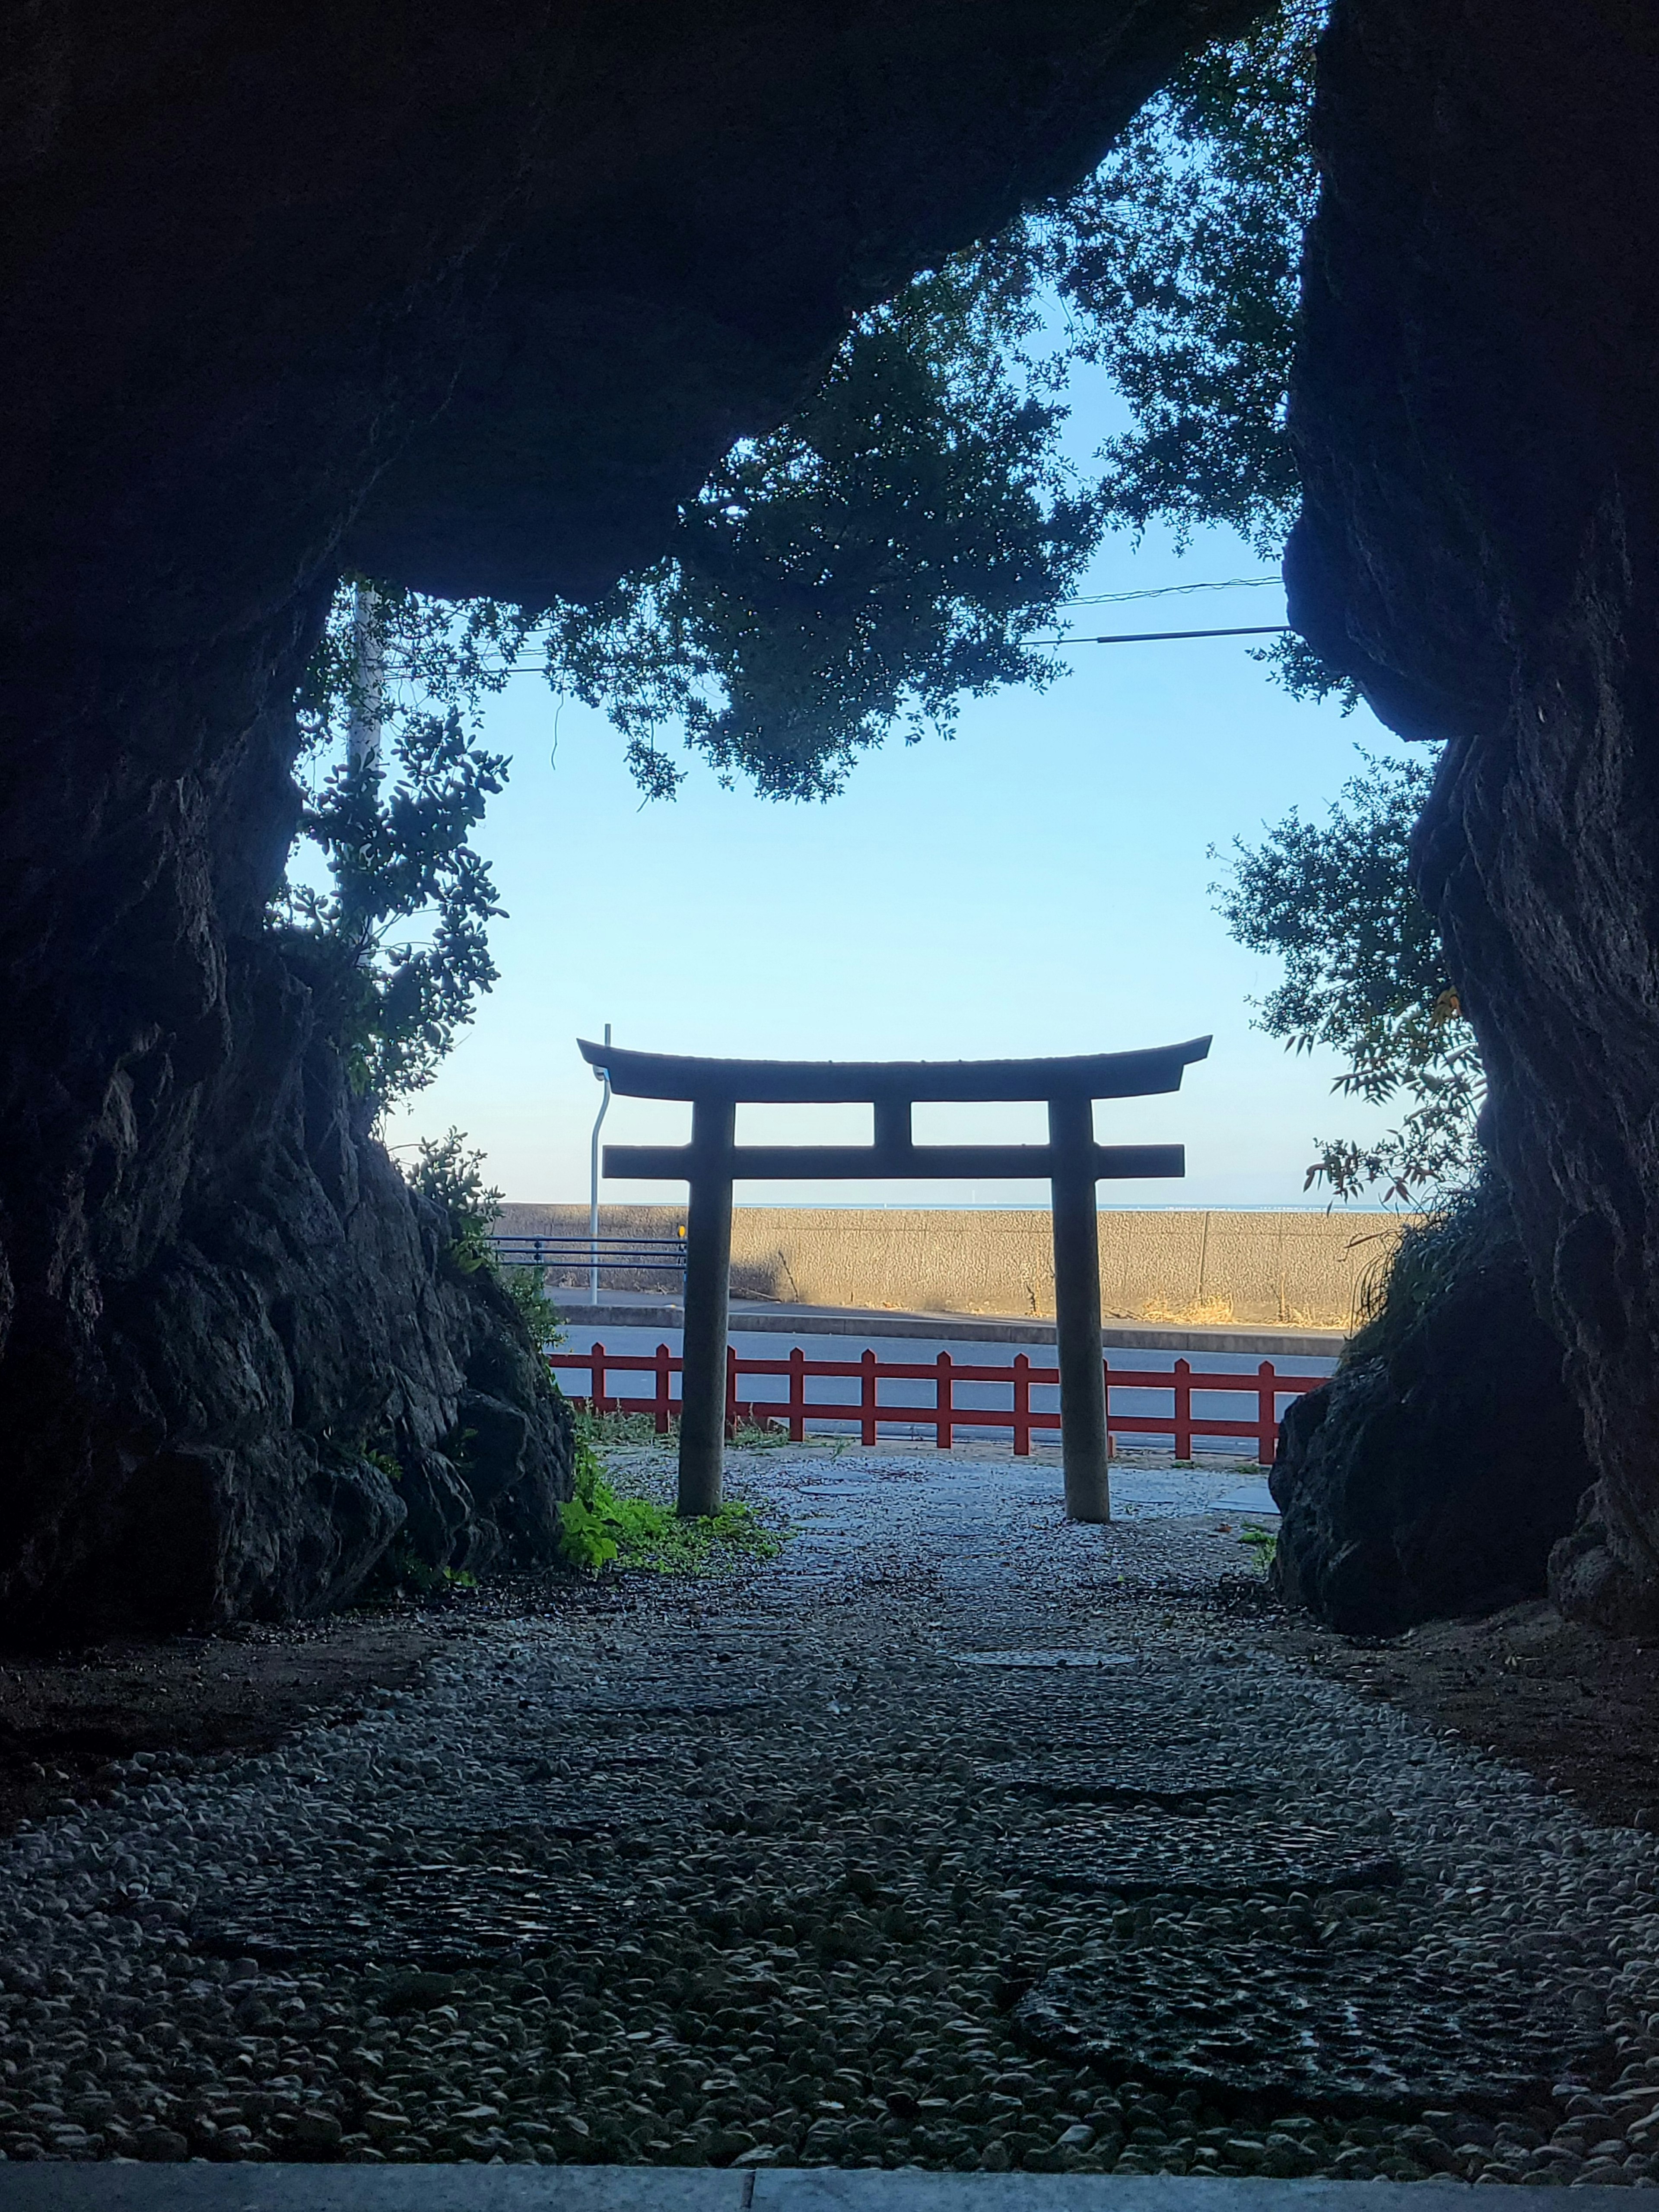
1475,409
1437,1470
468,297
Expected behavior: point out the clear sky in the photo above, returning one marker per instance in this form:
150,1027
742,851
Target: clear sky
1038,883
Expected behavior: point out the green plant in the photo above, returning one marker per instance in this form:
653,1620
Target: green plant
1177,262
599,1528
403,1569
892,547
1263,1542
759,1436
395,780
1469,1232
453,1177
525,1288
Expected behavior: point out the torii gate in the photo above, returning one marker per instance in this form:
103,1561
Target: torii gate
1072,1162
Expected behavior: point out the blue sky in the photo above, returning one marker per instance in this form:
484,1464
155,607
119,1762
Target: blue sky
1039,884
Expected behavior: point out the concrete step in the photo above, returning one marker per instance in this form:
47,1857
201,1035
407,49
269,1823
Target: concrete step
56,2186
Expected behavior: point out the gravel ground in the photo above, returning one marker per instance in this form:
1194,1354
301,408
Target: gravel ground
956,1837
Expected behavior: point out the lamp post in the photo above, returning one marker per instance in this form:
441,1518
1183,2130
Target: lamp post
602,1075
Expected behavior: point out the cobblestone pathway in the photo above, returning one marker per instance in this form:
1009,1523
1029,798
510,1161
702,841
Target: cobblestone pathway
957,1837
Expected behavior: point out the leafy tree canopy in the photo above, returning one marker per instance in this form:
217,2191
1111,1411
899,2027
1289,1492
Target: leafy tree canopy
395,779
908,539
888,551
1364,973
1177,262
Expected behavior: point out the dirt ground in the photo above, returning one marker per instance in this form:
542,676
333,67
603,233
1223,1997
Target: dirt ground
1580,1709
64,1718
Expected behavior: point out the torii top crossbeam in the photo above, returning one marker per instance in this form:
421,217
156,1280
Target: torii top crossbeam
829,1082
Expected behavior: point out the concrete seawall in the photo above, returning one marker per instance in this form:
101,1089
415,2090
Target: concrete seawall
1267,1269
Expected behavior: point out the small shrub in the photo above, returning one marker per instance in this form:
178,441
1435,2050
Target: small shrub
541,1317
404,1569
600,1528
453,1177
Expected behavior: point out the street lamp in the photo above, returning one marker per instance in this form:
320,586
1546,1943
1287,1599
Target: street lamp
601,1075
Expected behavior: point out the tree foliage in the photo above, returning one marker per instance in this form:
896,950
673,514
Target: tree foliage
408,901
1178,263
1365,974
903,541
887,552
898,544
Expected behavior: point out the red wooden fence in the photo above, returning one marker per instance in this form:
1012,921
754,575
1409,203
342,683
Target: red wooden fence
943,1416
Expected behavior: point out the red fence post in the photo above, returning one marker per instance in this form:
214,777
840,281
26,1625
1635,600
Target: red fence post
1183,1409
1267,1404
596,1379
867,1397
1022,1406
796,1396
731,1391
661,1409
944,1432
1106,1392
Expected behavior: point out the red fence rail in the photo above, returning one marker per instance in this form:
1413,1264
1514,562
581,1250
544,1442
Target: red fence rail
944,1416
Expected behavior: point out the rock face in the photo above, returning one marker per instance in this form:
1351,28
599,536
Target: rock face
467,298
1434,1472
262,1387
1473,408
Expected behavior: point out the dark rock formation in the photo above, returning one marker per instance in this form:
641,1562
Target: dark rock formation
262,1385
468,296
1473,408
1435,1470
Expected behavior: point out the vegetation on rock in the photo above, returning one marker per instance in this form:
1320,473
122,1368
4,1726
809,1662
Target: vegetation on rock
1364,973
453,1178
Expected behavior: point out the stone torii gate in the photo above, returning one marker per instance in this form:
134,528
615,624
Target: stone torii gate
1072,1162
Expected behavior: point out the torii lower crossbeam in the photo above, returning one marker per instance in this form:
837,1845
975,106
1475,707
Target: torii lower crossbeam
1072,1163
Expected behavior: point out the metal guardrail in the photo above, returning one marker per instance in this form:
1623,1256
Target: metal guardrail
653,1255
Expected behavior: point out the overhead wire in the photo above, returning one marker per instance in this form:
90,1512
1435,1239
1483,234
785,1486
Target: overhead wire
1156,636
1094,599
1169,590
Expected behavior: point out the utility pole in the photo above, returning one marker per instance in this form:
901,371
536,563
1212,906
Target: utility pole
364,721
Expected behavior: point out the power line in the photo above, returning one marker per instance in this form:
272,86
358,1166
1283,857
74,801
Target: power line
1169,590
1100,600
1117,637
1155,636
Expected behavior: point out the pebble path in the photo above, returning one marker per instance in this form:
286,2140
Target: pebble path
956,1837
